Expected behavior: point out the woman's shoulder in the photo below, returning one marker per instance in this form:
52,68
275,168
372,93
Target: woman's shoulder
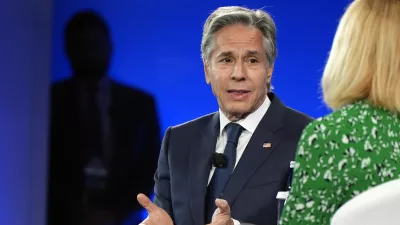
340,119
352,121
357,111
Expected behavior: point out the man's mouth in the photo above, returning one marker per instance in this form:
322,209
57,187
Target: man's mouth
238,91
238,94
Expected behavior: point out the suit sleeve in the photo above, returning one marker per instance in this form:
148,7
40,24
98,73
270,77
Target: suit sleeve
162,188
313,200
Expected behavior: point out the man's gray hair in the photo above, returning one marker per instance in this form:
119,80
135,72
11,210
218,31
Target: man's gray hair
230,15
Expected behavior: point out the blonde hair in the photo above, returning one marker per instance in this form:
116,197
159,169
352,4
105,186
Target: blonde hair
364,62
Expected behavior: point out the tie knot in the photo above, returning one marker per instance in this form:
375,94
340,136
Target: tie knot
233,131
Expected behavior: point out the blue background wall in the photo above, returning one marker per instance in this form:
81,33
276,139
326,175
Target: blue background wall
25,58
157,48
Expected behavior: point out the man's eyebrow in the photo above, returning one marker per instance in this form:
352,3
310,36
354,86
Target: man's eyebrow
252,52
230,53
224,54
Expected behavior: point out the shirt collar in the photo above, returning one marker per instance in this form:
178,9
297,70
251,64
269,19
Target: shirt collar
249,123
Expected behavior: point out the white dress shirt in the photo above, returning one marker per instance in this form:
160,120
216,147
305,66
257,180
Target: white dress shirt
249,124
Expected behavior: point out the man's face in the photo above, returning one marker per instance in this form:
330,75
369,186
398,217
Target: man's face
238,70
89,52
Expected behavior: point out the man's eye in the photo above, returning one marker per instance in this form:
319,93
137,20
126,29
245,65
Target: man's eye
226,60
253,60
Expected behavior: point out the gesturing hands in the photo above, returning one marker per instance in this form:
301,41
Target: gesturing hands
222,215
157,215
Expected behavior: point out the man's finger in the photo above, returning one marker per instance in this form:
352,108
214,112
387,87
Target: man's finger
223,206
145,202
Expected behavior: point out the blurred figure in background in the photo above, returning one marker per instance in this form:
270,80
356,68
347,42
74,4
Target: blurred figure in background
105,137
357,146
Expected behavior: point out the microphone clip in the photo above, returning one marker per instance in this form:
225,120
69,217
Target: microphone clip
219,160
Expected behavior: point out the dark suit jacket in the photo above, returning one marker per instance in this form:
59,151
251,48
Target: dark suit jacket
136,134
184,167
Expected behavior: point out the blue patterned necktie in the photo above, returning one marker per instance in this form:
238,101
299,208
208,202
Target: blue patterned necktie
221,175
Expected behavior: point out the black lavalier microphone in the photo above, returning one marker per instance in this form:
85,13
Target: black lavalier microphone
219,160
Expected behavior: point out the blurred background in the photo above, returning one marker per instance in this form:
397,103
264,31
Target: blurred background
156,79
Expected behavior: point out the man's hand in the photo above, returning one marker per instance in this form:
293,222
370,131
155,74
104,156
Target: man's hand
222,215
157,215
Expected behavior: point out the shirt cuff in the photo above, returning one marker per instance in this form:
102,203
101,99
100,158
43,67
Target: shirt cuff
235,222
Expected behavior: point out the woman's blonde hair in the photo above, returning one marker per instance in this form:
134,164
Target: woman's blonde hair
364,62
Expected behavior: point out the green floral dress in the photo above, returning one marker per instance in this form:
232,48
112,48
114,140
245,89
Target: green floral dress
338,157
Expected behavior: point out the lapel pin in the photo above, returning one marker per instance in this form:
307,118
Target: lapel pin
267,145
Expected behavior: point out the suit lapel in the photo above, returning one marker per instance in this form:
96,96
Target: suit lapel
256,153
201,152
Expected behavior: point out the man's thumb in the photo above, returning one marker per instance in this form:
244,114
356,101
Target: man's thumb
223,206
145,202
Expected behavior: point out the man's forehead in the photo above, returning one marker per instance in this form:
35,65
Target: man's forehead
238,32
239,42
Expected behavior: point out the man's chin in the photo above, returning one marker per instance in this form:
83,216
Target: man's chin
236,114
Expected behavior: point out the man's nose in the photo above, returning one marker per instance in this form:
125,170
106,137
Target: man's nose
239,72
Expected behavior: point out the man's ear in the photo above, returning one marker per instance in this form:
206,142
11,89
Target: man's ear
207,73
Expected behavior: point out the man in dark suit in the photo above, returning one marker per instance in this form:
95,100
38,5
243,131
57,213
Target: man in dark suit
254,130
105,136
